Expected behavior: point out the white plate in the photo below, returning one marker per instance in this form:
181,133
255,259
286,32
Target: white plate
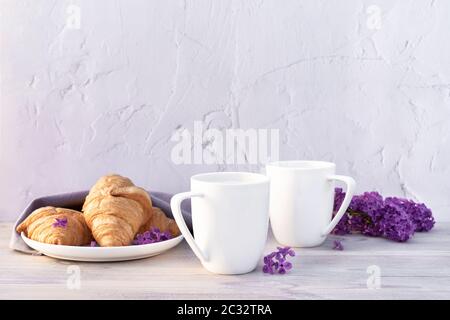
102,254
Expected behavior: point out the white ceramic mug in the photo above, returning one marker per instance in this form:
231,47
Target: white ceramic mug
301,201
230,218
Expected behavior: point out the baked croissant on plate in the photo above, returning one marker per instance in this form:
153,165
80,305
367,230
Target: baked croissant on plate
115,209
162,222
56,226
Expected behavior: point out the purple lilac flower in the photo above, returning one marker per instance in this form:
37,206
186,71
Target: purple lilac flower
362,214
396,224
392,218
151,236
286,251
337,245
277,261
339,196
60,223
367,212
420,215
343,226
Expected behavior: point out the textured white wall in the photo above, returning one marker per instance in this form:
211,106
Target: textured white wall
372,95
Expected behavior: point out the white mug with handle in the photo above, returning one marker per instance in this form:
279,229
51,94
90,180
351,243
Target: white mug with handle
301,201
230,218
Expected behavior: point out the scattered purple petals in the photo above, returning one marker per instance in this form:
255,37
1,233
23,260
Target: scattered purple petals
392,218
337,245
276,262
60,223
151,236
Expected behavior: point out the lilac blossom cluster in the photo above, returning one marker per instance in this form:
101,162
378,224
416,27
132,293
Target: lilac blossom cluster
276,262
392,218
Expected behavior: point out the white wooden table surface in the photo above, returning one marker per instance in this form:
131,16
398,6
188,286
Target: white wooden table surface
418,269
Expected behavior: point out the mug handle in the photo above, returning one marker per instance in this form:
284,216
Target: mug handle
175,205
350,183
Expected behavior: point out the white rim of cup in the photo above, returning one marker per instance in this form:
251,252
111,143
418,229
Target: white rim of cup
306,165
256,178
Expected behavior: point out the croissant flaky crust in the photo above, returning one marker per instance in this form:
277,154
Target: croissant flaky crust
162,222
56,226
115,209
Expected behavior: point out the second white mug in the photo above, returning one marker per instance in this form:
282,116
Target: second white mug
301,201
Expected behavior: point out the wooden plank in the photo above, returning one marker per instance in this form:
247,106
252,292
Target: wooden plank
418,269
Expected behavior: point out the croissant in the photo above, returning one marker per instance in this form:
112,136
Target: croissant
115,209
162,222
56,226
